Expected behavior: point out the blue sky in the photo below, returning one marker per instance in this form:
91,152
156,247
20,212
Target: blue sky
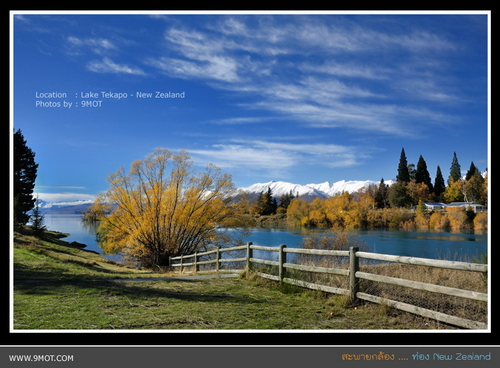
304,98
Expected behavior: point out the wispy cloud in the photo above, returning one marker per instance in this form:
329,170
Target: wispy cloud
210,67
77,45
107,65
323,72
278,158
250,156
104,47
313,71
426,89
348,69
64,197
241,120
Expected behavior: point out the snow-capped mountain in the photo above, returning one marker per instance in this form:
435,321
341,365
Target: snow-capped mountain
311,191
350,186
64,207
279,188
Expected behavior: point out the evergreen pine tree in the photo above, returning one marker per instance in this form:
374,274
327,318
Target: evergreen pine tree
472,170
454,170
474,183
274,206
403,174
381,199
399,196
259,205
285,200
37,226
439,186
411,172
266,203
25,171
270,204
422,175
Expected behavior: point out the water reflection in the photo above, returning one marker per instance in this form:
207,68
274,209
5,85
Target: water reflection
90,227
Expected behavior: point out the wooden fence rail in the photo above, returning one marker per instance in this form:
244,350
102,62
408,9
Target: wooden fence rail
353,273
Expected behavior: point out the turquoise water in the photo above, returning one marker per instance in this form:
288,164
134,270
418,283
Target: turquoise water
435,245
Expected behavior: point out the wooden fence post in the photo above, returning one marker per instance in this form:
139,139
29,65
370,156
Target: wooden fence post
282,261
196,267
353,268
182,267
249,256
217,259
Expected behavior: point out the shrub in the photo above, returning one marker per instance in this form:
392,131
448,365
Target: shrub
481,221
439,221
458,217
398,217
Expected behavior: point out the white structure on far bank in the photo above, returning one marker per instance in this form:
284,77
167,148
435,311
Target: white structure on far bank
467,205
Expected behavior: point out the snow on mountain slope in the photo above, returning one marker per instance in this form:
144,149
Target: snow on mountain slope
351,186
311,191
64,207
279,188
45,204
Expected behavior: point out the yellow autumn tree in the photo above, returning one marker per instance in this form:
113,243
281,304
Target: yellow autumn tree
298,212
98,210
337,209
163,208
317,214
455,191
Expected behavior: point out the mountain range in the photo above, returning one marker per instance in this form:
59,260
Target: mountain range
310,191
76,207
278,188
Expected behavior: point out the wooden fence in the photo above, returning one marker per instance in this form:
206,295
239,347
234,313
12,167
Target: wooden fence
353,274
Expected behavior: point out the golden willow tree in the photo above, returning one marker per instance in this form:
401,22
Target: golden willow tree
163,208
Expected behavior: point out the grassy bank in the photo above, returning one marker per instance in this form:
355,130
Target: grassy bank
57,286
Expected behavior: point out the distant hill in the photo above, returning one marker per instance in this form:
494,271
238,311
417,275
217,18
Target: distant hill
76,207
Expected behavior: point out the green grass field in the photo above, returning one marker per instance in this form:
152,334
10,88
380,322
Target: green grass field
59,287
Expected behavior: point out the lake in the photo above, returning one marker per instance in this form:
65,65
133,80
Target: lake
461,246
